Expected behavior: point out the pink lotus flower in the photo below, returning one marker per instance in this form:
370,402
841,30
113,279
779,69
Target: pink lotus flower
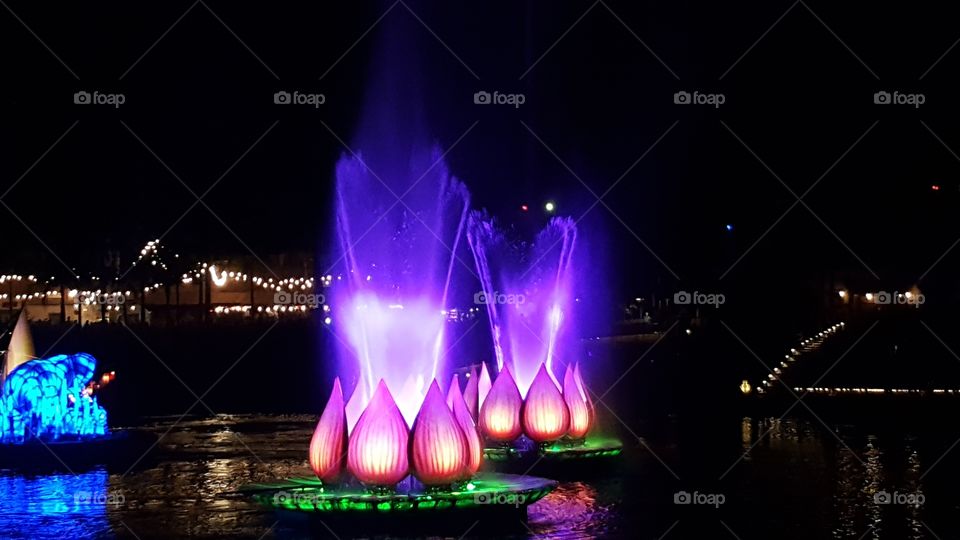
576,399
471,395
469,428
545,413
454,387
583,389
330,438
483,385
377,453
500,411
439,447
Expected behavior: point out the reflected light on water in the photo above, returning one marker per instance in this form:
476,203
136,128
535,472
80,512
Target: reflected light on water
57,505
571,511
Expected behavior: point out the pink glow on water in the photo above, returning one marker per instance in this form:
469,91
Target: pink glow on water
439,451
545,413
330,438
378,446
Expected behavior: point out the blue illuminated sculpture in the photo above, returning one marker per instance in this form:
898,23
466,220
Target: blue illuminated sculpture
49,399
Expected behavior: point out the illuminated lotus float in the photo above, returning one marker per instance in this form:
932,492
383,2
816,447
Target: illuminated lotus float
554,420
384,465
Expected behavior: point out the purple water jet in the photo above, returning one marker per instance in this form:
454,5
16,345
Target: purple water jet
528,295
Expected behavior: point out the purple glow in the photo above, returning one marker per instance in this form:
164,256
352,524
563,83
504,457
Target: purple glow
531,291
397,265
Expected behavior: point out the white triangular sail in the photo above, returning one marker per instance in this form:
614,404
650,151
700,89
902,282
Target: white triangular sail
20,350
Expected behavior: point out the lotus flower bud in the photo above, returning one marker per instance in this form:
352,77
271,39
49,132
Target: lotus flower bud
577,405
469,428
378,447
439,447
545,413
330,438
483,385
500,412
471,395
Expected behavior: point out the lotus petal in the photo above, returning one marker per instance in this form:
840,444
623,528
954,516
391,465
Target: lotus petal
378,448
483,385
329,440
471,394
577,405
545,413
439,447
465,420
500,411
454,384
583,392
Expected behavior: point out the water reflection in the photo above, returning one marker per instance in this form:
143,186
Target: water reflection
56,505
573,510
799,481
871,484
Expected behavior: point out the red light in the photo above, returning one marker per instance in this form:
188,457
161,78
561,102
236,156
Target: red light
524,207
935,187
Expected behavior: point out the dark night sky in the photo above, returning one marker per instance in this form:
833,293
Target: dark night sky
599,99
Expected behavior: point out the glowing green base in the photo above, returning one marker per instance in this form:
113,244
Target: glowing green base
486,490
591,447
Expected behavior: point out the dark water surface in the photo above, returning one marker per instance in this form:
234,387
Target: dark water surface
797,481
